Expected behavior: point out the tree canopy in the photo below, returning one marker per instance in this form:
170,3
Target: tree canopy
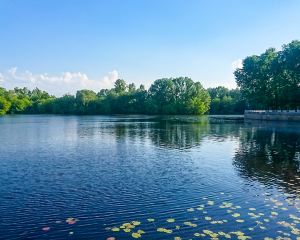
226,101
178,96
271,80
165,96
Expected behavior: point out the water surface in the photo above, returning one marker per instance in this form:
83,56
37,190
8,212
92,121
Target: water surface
127,177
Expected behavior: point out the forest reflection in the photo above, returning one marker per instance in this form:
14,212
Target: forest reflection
270,153
165,133
266,152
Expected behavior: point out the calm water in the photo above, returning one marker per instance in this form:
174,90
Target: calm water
84,177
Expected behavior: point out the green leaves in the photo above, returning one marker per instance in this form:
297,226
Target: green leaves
165,96
271,80
4,105
178,96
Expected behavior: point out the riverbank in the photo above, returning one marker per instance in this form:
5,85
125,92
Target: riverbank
284,115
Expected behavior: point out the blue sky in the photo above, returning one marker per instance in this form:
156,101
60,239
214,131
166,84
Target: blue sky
66,45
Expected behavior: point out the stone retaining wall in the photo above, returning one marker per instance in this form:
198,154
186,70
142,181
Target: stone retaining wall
285,115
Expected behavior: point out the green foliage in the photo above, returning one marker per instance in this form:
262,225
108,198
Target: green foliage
177,96
120,86
19,105
272,79
64,105
165,96
83,100
226,101
131,87
36,94
4,105
199,102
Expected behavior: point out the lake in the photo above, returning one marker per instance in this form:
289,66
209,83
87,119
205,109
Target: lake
128,177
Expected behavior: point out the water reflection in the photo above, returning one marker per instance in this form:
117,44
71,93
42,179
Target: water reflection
270,153
177,133
107,171
267,152
178,136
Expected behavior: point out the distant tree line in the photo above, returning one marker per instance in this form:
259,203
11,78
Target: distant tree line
226,101
267,81
271,80
165,96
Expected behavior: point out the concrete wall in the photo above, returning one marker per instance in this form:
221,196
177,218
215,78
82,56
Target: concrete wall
284,115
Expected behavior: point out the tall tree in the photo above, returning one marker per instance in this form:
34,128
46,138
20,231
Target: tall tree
226,101
131,87
120,86
83,98
177,96
272,79
255,79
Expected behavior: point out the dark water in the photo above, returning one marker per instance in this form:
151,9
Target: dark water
174,179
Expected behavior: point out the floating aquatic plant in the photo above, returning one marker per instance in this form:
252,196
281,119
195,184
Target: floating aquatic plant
136,235
136,223
190,224
164,230
236,215
260,220
170,220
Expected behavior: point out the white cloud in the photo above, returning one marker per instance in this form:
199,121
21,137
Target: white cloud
109,80
1,78
66,82
237,64
12,71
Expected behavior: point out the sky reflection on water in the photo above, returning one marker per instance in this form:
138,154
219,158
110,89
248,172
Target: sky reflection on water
107,171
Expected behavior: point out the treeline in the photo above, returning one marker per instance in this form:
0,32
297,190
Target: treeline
271,80
267,81
165,96
226,101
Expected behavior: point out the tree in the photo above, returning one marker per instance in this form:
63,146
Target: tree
131,88
288,75
142,87
161,98
37,94
272,79
177,96
120,86
65,105
83,98
255,79
199,101
226,101
4,105
103,93
19,105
